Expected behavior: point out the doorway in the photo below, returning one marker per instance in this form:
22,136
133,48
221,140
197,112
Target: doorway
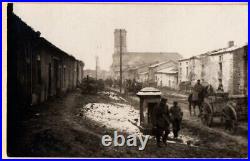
151,107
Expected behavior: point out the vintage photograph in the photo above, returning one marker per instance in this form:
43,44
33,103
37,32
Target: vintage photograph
125,80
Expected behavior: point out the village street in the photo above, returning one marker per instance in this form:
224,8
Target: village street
72,126
102,89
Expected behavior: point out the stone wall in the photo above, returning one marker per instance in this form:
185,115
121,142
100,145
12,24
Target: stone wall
240,71
213,73
182,70
228,67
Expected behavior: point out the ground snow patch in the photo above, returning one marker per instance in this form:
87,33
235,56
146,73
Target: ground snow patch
112,95
117,116
179,95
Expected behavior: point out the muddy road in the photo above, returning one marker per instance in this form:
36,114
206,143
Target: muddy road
241,135
61,128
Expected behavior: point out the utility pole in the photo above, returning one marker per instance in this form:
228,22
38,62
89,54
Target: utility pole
120,61
96,71
96,66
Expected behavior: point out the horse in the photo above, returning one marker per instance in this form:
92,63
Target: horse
204,92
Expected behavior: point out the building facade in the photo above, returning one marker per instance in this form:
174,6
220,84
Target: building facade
132,60
189,69
226,67
229,68
153,69
167,77
36,68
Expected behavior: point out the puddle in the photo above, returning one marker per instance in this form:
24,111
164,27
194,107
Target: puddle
183,139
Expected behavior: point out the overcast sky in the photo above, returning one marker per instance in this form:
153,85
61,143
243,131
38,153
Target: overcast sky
87,30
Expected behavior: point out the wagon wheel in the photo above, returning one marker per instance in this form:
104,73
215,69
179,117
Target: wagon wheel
206,114
229,118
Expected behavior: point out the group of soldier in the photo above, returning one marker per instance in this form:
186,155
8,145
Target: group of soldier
163,117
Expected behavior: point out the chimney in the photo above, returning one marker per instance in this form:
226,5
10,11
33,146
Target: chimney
230,44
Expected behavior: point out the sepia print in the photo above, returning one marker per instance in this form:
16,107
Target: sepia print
126,80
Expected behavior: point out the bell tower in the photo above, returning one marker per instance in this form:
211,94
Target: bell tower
120,41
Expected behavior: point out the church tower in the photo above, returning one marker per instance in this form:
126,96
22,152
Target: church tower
120,40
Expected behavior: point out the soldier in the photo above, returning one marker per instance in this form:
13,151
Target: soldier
176,117
195,95
161,121
220,88
196,90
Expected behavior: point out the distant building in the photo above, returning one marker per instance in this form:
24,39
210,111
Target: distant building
102,74
143,77
167,77
90,73
135,72
163,74
132,60
154,68
189,69
226,66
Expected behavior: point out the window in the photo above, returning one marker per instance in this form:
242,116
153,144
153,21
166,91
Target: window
220,66
186,63
220,58
180,71
187,71
180,64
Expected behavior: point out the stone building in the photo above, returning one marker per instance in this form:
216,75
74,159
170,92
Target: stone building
226,66
143,77
132,60
142,72
159,68
189,69
167,77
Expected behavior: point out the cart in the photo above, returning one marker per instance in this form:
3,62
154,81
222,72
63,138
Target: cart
230,109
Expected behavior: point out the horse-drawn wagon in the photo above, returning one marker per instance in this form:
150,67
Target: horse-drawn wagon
229,108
